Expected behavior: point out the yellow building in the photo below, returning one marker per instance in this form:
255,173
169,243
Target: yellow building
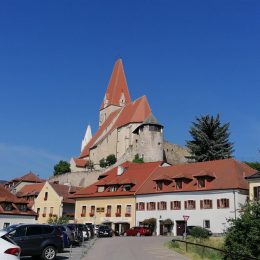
254,186
111,200
53,200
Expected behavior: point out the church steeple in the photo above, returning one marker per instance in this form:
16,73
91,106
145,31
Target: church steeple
117,93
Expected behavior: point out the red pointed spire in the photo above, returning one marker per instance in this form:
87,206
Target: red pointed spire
117,91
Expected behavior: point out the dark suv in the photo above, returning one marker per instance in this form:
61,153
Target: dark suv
104,231
41,241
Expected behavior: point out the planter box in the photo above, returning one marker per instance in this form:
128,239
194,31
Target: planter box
118,214
108,215
127,214
91,214
43,215
83,215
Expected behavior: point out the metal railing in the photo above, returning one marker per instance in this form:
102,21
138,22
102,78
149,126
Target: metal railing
205,250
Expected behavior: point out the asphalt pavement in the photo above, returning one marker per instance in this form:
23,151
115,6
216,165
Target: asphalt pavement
132,248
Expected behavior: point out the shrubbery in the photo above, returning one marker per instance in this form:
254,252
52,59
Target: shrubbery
199,232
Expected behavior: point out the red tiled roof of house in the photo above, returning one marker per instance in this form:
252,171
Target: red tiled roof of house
117,86
228,174
29,177
30,190
81,163
135,112
7,197
134,173
65,191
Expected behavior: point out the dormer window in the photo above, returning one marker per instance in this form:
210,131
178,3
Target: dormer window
178,184
8,207
22,207
159,185
100,188
201,182
127,187
113,188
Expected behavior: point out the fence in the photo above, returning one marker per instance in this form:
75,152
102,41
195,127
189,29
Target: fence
212,252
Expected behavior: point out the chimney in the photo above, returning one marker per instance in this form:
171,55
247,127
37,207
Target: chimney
120,170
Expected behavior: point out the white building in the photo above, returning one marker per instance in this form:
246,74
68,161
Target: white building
208,192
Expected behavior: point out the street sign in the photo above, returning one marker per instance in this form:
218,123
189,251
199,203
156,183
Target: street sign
185,218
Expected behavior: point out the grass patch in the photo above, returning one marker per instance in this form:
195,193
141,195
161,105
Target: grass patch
196,252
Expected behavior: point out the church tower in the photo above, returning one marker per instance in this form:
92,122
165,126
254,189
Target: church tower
117,93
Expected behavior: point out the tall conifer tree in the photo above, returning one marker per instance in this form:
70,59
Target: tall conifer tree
210,139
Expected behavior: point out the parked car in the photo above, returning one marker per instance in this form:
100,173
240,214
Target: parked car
189,228
138,231
65,237
104,231
8,249
41,241
96,229
76,232
90,230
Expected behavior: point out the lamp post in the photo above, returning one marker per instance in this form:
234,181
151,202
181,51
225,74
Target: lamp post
185,217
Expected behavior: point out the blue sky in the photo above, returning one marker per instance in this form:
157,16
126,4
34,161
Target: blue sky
189,58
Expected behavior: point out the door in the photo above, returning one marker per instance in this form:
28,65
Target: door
180,227
161,228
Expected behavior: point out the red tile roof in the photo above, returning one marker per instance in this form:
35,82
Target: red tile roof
81,163
29,177
227,174
65,191
7,197
135,173
117,86
30,190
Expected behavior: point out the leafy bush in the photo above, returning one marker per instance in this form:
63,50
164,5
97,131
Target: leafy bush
111,159
61,167
138,159
199,232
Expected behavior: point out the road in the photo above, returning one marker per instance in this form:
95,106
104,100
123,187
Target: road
132,248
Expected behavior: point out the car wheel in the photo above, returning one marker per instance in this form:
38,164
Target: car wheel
138,234
125,234
49,253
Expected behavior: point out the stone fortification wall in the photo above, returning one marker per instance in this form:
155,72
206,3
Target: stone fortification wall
174,153
81,179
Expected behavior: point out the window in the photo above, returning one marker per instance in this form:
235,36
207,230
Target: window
47,229
178,184
92,210
206,224
201,182
6,225
154,128
140,206
83,211
162,205
206,204
151,206
159,185
8,207
46,196
100,188
34,230
51,211
222,203
128,211
190,204
44,212
118,211
38,213
113,188
175,205
256,193
22,207
109,209
127,187
18,232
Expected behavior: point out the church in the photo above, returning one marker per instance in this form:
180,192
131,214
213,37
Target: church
126,128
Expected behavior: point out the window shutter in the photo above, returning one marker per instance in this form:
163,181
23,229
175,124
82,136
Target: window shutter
218,204
210,203
201,204
194,204
227,203
136,206
158,205
147,206
185,204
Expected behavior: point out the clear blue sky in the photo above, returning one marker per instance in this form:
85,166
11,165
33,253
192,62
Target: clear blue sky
189,58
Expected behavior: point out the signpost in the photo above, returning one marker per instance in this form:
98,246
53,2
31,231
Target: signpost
185,217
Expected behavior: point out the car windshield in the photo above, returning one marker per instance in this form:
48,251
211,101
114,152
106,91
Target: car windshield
104,227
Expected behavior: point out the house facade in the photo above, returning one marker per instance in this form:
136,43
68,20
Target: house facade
14,210
111,200
208,193
254,186
53,200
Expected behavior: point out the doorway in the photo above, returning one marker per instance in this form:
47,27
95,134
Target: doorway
180,227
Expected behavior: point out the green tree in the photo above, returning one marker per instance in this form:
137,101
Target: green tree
243,236
61,167
254,165
55,220
103,163
138,159
110,160
210,139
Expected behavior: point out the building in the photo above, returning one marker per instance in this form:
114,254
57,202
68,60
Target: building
111,200
14,210
126,128
30,192
208,193
254,186
54,200
16,184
